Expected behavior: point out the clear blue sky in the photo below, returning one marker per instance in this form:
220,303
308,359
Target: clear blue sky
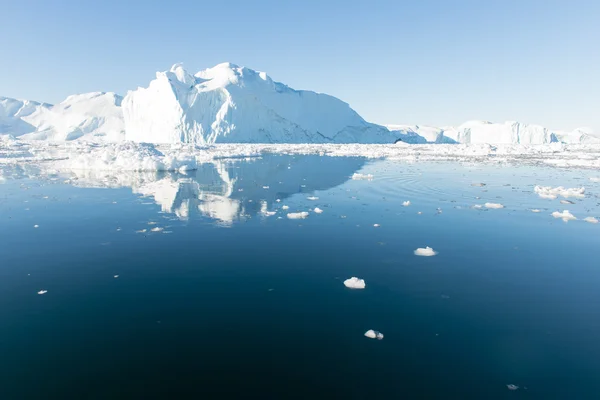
437,62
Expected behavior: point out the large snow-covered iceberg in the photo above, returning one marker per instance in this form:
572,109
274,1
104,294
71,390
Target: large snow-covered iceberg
90,115
231,104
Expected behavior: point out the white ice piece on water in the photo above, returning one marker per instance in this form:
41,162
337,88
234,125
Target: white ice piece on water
372,334
359,177
406,203
591,220
565,215
298,215
548,192
493,205
355,283
318,210
425,252
42,292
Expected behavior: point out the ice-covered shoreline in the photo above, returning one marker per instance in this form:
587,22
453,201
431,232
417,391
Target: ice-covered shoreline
129,156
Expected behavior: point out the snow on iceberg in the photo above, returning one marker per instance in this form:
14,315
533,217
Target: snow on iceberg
231,104
425,252
372,334
565,215
548,192
355,283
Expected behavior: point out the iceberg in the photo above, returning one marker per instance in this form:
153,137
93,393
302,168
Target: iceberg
372,334
425,252
232,104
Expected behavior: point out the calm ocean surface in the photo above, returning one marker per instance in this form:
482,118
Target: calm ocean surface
216,299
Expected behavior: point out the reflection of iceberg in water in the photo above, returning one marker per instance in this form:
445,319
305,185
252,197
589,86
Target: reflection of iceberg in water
226,190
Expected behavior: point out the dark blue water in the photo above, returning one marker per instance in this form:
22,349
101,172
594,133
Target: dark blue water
224,302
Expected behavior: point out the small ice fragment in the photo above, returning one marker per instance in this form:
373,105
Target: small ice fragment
116,276
478,184
376,225
157,229
298,215
42,292
591,220
318,210
265,187
355,283
425,252
566,202
36,226
152,223
285,207
278,200
240,190
510,386
535,210
406,203
114,202
118,229
302,185
595,179
141,231
358,177
493,205
565,215
477,206
419,213
371,334
312,198
269,213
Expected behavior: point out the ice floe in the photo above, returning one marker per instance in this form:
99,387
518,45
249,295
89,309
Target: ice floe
42,292
406,203
357,177
548,192
591,220
565,215
376,225
318,210
372,334
425,252
285,207
355,283
312,198
157,229
535,210
493,205
298,215
510,386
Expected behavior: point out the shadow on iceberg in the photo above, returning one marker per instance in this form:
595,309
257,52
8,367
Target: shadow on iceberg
230,189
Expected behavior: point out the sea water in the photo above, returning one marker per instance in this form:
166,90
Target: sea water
198,285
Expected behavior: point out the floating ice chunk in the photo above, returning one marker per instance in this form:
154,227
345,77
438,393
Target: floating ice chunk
566,202
318,210
535,210
265,187
298,215
278,200
141,231
591,220
406,203
478,184
152,223
358,177
510,386
42,292
312,198
285,207
157,229
565,215
477,206
371,334
376,225
425,252
493,205
355,283
36,226
116,276
548,192
419,213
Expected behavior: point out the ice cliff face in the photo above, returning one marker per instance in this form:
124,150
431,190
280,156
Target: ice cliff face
86,115
231,104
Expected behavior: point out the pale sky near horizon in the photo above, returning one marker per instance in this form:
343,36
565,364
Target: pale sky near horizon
430,62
